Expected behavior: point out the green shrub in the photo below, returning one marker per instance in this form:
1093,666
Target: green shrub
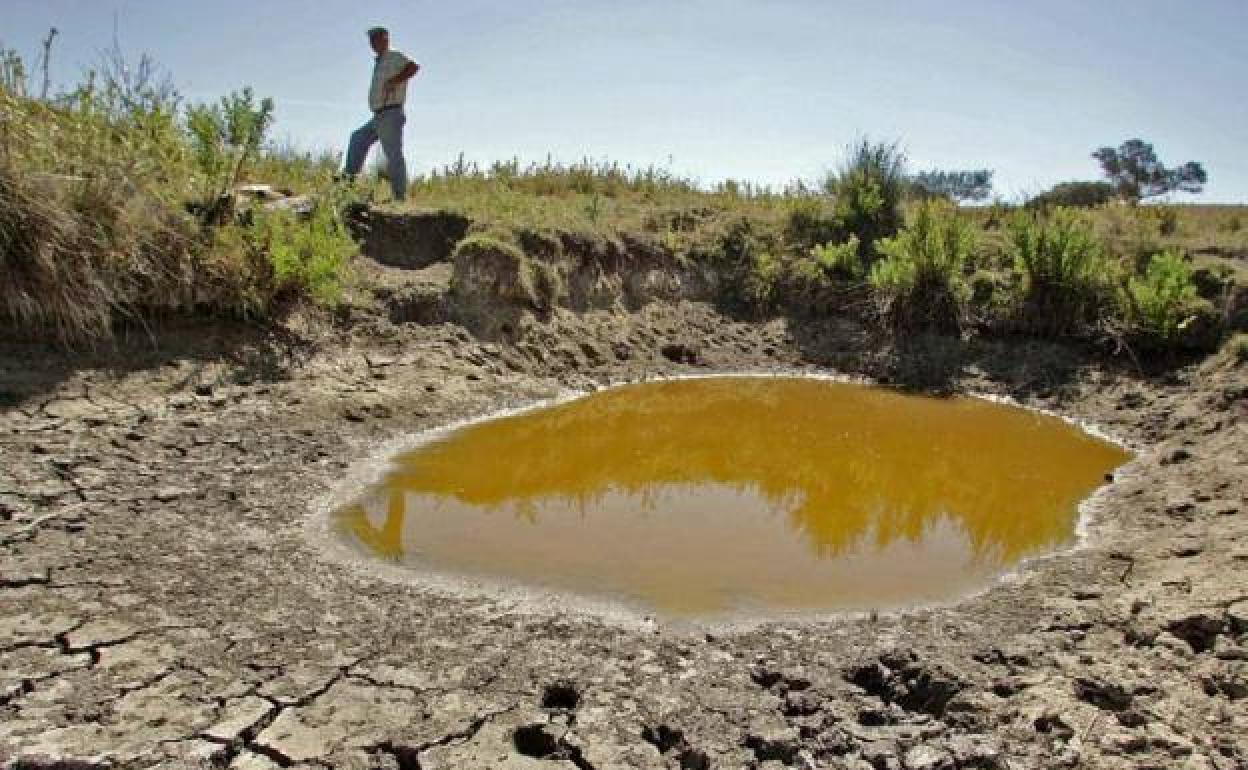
224,138
1063,273
759,286
1163,306
809,222
747,266
920,280
840,260
308,256
868,192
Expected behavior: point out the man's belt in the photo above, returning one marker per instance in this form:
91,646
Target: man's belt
387,108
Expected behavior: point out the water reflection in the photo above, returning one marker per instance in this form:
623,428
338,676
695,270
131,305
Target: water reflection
710,495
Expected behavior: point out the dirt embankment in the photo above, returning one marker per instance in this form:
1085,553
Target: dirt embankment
161,605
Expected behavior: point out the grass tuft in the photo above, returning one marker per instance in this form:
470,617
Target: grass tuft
920,279
1064,274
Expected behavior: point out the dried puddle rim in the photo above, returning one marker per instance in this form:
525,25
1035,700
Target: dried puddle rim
729,496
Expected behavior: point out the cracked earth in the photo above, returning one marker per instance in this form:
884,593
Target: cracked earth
162,606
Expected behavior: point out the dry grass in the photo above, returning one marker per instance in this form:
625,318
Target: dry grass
95,223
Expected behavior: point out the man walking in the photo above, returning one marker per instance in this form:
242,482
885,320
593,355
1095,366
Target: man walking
386,96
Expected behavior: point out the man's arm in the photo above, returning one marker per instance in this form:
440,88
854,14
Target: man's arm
403,75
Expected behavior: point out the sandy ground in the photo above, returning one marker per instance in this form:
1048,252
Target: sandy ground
161,602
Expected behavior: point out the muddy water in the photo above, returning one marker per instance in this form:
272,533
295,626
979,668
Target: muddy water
718,496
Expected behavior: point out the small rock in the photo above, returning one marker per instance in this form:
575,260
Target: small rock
801,703
880,754
169,494
927,758
1176,457
203,389
1132,718
1125,742
1237,616
1199,762
780,744
1180,506
1225,649
1228,678
973,751
1187,549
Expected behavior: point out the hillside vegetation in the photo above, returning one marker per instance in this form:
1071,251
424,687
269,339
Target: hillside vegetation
117,204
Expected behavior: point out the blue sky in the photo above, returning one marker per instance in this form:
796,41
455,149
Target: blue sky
768,90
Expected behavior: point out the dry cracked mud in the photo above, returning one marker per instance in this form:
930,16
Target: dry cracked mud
161,604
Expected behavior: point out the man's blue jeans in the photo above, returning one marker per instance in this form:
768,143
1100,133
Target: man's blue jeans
386,125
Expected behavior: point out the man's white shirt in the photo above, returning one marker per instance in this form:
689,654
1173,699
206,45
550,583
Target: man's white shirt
388,65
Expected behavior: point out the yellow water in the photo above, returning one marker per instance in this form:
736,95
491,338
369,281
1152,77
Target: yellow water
716,496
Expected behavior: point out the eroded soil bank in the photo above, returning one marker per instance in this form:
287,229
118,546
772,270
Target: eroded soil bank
161,605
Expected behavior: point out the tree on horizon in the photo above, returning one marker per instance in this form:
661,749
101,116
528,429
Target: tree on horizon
1133,168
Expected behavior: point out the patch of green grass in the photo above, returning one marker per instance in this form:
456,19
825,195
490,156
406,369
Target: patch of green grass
1163,306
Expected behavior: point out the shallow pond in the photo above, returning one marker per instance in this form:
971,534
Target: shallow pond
738,495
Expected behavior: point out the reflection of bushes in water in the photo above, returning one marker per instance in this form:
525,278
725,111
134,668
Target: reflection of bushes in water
386,541
862,459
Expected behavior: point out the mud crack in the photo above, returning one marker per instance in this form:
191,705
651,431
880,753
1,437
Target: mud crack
408,757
